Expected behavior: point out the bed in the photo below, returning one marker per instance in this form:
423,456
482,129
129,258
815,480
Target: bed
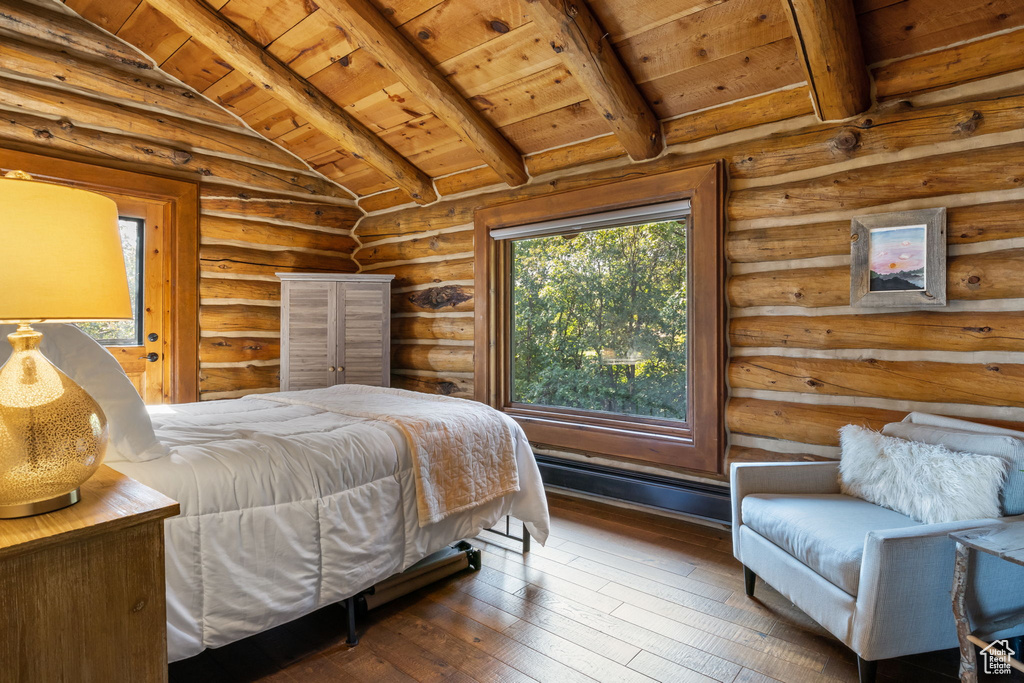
287,507
296,500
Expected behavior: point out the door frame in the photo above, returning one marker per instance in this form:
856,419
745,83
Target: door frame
180,204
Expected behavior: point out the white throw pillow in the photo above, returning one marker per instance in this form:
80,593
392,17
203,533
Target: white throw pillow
928,483
98,372
998,443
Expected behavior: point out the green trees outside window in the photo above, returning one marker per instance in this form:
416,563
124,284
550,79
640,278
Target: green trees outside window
600,320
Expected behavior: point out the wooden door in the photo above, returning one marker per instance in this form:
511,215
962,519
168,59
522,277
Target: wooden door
364,335
309,335
145,358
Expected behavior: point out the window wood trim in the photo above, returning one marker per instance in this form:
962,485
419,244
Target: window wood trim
177,201
698,445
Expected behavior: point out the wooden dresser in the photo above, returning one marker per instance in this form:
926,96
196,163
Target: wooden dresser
82,595
335,329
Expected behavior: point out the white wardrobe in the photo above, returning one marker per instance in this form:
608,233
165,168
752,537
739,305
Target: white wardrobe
335,329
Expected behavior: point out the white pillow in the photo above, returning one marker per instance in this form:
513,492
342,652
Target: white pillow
928,483
958,424
98,372
998,443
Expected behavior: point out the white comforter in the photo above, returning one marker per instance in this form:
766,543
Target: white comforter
286,508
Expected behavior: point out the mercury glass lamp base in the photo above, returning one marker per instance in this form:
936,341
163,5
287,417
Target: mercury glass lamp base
40,506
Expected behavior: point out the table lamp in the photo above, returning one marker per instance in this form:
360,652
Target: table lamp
60,261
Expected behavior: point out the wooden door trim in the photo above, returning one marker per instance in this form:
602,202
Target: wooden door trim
181,200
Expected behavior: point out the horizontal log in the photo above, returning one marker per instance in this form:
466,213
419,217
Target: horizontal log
69,31
258,232
973,277
230,288
240,260
426,273
923,330
65,136
807,287
964,225
238,349
436,358
46,65
384,200
993,384
432,328
746,454
454,386
239,318
775,106
291,211
958,64
444,244
812,423
802,422
979,170
86,111
444,299
236,379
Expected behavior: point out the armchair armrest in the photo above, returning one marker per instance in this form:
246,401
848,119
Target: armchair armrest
778,477
901,567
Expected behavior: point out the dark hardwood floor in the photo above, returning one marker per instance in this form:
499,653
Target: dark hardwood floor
615,596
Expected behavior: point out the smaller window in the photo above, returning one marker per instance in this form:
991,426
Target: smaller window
126,332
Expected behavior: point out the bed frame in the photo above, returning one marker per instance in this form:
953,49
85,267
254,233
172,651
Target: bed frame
524,539
442,564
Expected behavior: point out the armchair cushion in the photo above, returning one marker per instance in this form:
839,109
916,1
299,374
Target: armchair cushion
825,532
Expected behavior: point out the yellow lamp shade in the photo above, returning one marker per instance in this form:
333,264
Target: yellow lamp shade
60,254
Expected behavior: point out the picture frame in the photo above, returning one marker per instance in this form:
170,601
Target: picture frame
898,259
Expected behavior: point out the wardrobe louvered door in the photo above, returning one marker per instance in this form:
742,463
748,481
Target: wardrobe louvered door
364,352
309,335
335,329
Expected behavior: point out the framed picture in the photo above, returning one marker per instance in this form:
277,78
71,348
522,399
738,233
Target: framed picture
898,259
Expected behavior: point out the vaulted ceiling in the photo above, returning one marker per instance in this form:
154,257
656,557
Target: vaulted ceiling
508,63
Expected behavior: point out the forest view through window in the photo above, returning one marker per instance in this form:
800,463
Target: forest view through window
125,332
599,320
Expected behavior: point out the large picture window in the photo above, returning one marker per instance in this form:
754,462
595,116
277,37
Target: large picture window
598,320
601,328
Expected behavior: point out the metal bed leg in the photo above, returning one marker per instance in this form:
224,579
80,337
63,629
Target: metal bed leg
353,635
507,533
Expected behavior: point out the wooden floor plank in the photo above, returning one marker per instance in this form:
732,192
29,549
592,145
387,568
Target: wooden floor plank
571,629
663,670
705,624
474,662
581,659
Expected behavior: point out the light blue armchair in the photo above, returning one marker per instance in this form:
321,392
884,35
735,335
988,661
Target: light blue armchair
877,580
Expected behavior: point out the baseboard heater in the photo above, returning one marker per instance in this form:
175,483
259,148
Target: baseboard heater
698,499
442,564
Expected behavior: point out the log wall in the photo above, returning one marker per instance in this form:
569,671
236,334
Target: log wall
262,209
803,362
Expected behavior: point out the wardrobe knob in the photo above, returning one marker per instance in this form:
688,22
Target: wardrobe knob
330,369
341,369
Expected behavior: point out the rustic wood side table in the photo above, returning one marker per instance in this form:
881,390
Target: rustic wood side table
1005,542
82,595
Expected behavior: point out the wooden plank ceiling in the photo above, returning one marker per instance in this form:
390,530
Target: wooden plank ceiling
682,56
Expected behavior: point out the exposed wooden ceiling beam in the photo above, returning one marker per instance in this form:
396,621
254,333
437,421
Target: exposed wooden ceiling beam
584,47
269,73
374,33
829,43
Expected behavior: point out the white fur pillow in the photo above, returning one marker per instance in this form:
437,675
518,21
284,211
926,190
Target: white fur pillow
928,483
